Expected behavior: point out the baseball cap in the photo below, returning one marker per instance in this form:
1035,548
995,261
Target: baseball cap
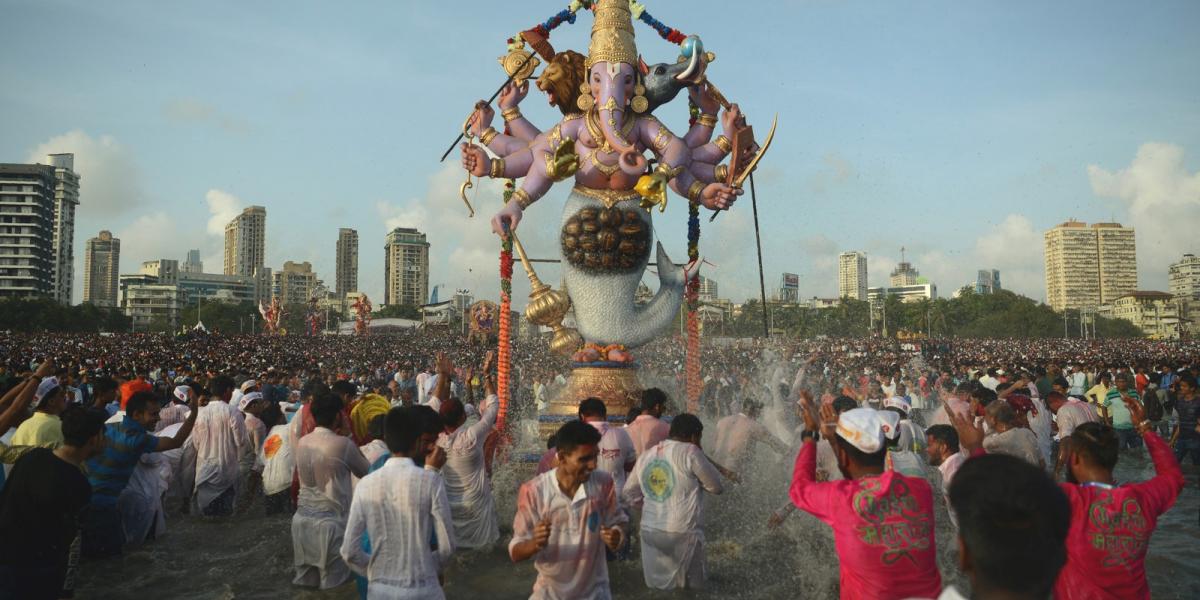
44,388
248,399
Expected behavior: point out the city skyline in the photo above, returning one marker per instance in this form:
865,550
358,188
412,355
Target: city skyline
960,132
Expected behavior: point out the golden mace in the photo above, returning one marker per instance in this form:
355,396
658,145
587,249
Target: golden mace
548,306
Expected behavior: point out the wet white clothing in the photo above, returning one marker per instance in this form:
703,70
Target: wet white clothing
646,431
1040,424
947,470
400,507
912,437
616,451
1072,414
141,502
572,566
905,462
468,486
219,438
1019,442
669,482
325,462
256,432
737,436
277,461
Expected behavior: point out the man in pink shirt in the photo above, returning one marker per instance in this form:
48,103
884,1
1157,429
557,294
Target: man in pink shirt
1111,523
648,429
882,521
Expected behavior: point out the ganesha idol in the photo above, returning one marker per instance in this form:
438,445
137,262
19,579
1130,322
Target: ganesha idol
607,127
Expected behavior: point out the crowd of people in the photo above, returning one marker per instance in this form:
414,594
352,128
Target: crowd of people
382,448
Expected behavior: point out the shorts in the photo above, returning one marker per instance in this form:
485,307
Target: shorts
222,505
32,581
1186,447
280,502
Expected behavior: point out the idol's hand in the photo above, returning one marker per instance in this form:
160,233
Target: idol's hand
719,196
512,95
732,120
475,160
510,215
703,99
481,119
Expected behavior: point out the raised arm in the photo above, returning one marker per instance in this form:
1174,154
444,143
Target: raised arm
17,399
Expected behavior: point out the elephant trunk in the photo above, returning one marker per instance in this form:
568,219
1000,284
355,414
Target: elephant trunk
631,161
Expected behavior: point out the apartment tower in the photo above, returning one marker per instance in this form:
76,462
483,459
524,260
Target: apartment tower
347,262
852,275
1089,266
101,270
405,267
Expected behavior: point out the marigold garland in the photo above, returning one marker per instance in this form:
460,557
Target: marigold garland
504,352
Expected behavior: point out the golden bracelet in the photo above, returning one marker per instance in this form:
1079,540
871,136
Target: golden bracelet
487,136
723,143
511,113
667,171
721,172
497,168
522,198
694,191
707,120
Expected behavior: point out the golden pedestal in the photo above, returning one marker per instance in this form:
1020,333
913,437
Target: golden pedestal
617,386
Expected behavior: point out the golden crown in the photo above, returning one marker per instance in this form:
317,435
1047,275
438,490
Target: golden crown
612,34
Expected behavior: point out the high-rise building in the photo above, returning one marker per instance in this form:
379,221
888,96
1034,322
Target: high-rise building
347,262
1183,278
852,275
66,198
708,290
165,271
193,263
101,269
295,283
26,230
405,267
245,242
987,281
1087,267
904,274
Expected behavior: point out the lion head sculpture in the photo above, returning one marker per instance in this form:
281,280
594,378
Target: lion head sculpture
561,80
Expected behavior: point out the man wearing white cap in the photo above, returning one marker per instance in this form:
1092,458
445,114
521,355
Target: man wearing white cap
900,455
882,520
177,410
44,428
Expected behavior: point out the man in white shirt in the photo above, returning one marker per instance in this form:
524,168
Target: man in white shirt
648,428
669,481
566,517
467,483
219,440
738,436
325,462
399,509
941,450
1069,413
617,455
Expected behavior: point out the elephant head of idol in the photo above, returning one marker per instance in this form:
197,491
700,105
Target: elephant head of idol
612,75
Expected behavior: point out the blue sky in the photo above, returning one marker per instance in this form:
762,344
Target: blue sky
960,130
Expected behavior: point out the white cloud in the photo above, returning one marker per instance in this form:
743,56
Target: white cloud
1163,203
222,208
1014,247
153,236
110,182
835,170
